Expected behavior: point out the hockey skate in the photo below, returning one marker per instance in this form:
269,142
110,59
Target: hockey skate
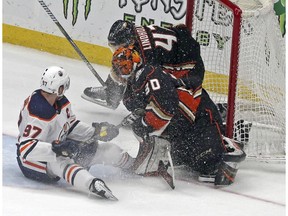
99,188
103,96
97,95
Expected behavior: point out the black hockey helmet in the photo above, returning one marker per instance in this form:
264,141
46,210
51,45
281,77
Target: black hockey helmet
121,33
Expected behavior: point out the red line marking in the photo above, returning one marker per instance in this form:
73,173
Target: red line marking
233,192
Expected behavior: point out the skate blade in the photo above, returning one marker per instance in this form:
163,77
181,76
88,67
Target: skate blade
108,195
98,102
111,197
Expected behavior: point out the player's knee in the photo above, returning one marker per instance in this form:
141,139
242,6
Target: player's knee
109,153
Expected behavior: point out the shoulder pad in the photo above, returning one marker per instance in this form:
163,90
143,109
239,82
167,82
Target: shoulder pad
63,101
39,107
143,74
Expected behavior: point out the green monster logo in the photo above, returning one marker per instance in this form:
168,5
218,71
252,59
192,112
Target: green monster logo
75,9
280,10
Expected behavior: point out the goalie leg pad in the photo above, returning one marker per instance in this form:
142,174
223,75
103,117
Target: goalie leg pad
150,154
154,158
143,157
226,173
230,162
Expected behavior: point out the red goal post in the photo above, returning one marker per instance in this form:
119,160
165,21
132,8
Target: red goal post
244,56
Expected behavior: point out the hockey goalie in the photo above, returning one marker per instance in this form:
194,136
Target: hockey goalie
173,121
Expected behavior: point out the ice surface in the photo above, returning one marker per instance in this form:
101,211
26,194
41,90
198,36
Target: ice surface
259,189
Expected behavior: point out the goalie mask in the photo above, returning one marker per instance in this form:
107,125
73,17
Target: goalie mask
121,34
125,60
53,78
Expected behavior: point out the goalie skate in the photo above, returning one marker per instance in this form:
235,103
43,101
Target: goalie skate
99,188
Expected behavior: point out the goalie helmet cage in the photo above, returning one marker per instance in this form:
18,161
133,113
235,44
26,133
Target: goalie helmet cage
244,56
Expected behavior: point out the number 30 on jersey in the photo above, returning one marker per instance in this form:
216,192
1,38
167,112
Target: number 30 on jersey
152,84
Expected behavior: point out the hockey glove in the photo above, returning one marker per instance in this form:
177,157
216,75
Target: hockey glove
105,131
142,130
130,119
66,148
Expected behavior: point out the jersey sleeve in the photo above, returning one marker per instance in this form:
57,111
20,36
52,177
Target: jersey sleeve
78,130
133,100
188,58
81,131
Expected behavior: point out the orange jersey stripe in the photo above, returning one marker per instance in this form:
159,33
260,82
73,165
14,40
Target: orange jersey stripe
189,101
35,165
69,172
154,121
26,145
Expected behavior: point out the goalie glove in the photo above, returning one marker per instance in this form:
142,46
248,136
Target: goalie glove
67,148
105,131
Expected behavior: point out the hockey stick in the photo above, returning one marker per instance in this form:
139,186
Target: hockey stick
162,171
48,11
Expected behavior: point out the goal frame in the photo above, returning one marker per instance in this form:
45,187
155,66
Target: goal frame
237,12
245,76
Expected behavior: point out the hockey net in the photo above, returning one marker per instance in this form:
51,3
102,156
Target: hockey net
244,56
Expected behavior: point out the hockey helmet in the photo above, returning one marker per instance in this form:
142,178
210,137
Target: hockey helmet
124,62
121,34
53,78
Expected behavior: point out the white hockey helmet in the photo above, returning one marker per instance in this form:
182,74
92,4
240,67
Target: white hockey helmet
53,78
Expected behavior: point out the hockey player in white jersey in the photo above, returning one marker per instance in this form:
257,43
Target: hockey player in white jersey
53,144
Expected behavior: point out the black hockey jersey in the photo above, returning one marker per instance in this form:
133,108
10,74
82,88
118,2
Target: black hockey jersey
151,89
167,46
169,111
173,48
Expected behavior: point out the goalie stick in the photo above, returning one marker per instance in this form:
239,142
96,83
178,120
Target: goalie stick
76,48
162,170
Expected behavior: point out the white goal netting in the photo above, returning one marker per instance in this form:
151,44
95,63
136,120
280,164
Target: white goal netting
244,57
